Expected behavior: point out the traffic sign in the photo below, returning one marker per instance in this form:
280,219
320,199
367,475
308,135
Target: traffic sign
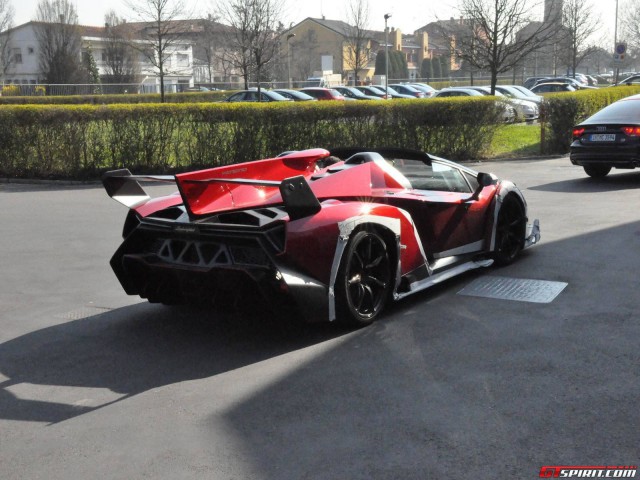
621,48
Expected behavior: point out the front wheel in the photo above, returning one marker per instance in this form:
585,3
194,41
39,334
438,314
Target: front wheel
510,231
364,279
596,171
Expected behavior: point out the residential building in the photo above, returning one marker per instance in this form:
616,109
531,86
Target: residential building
23,66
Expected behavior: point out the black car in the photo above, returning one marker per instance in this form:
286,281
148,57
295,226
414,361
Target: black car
608,139
355,94
295,95
252,96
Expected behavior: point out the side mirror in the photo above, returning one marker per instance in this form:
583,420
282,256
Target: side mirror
484,180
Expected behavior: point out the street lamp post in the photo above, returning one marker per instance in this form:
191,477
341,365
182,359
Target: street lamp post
386,55
289,37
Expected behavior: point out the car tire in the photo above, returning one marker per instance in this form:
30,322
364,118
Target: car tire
510,231
597,171
364,280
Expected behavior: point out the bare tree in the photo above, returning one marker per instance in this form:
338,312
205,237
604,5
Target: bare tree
304,54
59,42
209,45
630,23
581,23
120,61
630,28
357,37
500,34
253,41
161,34
6,22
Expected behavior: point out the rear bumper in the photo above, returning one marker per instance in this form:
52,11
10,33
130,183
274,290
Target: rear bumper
613,156
236,270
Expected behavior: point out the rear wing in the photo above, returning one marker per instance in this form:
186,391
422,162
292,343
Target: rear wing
199,199
126,189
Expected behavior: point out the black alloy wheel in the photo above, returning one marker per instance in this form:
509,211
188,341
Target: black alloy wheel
597,171
364,279
510,231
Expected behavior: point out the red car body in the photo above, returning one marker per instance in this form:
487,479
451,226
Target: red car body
323,93
337,239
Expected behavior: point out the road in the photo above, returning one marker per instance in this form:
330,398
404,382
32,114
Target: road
96,384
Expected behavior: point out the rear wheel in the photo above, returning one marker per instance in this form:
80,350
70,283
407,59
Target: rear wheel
596,171
364,279
510,231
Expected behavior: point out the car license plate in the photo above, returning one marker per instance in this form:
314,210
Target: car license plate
603,137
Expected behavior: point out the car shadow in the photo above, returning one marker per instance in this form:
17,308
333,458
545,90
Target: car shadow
611,183
140,347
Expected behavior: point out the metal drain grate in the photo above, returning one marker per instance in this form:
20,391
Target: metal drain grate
83,312
518,289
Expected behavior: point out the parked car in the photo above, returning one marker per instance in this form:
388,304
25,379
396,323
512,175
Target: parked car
252,96
593,81
457,92
322,93
528,93
355,94
512,91
393,92
531,81
630,80
373,91
295,95
406,89
508,112
337,243
608,139
423,87
571,81
552,87
196,89
525,109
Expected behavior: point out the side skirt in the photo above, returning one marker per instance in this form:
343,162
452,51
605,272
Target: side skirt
442,276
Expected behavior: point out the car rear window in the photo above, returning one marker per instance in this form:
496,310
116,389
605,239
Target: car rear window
625,111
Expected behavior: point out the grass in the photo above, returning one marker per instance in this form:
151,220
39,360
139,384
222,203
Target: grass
515,141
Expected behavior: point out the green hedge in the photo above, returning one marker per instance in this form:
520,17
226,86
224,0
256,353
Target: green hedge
185,97
560,112
80,141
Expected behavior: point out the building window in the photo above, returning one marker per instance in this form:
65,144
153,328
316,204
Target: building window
31,50
16,53
183,60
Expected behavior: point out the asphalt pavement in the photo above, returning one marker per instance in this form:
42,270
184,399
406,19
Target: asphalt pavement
96,384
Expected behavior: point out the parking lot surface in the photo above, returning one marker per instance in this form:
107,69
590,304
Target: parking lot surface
96,384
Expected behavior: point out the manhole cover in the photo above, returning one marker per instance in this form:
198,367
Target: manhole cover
519,289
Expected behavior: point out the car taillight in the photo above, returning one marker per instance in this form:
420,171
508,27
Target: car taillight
631,131
577,132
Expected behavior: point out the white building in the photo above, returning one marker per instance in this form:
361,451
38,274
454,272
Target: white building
24,67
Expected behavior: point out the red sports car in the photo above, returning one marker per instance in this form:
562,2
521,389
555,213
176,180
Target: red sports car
336,234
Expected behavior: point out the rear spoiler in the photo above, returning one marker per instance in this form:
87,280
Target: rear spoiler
125,188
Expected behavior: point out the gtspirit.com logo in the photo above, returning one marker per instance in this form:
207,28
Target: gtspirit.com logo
588,472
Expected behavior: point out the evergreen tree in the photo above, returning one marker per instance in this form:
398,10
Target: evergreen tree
437,68
403,67
424,68
445,66
380,63
93,76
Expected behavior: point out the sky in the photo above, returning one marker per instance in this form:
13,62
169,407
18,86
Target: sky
407,15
